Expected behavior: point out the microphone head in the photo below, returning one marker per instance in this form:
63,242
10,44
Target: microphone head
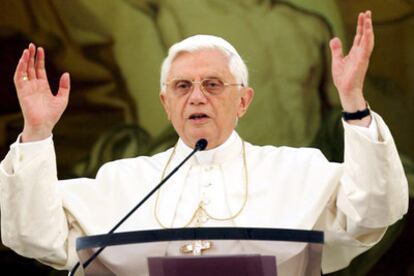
201,144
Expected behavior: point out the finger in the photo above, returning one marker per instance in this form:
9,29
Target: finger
336,49
359,29
31,69
21,69
64,86
367,40
40,64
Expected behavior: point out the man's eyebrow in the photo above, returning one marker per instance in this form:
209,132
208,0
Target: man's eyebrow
213,77
203,78
179,78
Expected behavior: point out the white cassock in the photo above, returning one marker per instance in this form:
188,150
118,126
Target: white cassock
353,202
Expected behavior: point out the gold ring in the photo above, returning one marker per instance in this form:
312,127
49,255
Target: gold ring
25,78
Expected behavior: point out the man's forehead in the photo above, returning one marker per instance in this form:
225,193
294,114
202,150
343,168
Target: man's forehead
203,63
203,56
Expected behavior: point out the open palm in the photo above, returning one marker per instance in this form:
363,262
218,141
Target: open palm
41,109
349,71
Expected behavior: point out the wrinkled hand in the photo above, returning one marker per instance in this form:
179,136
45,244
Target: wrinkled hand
41,109
349,71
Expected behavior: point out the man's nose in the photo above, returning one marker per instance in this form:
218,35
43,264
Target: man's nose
197,96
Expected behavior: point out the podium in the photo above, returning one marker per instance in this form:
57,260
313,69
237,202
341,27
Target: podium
205,251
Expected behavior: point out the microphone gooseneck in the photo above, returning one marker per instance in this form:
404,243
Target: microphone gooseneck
199,146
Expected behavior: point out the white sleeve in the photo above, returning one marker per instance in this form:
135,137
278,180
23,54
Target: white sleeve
374,189
33,221
371,131
372,195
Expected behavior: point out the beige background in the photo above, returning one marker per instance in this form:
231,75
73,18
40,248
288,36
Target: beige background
113,50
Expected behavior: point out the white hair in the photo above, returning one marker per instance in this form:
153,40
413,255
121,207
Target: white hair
199,42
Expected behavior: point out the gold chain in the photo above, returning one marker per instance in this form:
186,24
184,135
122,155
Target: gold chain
200,209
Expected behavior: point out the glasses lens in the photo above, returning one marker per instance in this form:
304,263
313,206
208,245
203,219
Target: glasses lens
181,87
213,86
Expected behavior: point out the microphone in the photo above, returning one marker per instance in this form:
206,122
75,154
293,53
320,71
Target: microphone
199,146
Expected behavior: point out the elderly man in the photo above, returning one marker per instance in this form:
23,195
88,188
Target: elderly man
204,91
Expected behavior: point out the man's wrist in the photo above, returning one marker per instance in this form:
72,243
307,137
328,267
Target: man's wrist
358,114
34,135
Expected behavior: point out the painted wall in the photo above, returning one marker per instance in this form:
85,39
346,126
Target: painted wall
113,50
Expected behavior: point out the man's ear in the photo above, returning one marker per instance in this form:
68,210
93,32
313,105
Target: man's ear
165,104
245,100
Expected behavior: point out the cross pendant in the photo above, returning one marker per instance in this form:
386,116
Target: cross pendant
196,247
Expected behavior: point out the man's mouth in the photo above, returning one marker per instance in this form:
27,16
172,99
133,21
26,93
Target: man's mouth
198,116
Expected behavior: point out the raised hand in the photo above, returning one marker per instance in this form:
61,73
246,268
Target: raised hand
41,109
349,71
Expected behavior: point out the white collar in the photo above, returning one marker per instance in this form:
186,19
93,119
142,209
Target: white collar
212,155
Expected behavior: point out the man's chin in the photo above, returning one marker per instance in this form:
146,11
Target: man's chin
196,135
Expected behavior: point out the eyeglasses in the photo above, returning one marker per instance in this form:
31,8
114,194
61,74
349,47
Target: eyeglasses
181,87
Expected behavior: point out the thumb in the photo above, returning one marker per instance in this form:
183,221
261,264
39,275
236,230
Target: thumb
336,48
64,86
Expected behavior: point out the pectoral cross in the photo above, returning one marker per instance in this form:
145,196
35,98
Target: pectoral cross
196,247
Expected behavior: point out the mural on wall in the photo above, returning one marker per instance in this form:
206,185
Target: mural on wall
114,49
